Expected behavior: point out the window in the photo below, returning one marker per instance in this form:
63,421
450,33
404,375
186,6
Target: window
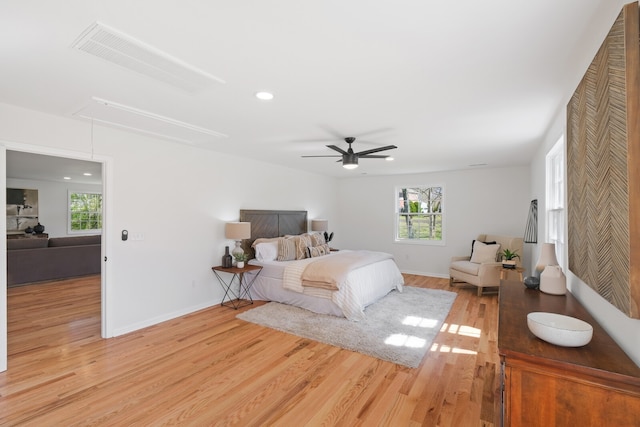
555,173
419,215
85,212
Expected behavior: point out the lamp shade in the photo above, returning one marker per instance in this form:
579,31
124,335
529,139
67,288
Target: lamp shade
319,225
237,230
547,256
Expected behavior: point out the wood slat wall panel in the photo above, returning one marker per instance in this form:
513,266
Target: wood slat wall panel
601,172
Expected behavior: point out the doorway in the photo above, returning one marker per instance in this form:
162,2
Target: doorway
47,168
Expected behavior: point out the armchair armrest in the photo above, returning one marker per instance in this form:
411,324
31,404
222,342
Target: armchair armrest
489,273
460,258
486,266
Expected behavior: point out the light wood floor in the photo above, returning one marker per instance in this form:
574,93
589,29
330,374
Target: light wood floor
209,368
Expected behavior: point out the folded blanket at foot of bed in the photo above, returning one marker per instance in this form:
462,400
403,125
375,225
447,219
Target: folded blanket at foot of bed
331,271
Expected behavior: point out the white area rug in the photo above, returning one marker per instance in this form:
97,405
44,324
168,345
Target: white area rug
399,327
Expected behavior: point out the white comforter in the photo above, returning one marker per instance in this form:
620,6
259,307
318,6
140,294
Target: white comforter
362,286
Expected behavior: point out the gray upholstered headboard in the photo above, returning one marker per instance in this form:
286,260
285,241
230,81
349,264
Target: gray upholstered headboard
269,223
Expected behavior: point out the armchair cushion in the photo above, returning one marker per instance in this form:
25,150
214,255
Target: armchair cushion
484,253
473,242
467,267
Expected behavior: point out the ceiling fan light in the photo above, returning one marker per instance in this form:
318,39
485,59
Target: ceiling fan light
349,161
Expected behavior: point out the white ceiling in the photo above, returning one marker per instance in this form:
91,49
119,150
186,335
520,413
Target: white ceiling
451,83
49,168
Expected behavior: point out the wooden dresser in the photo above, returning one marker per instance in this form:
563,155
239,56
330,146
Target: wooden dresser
548,385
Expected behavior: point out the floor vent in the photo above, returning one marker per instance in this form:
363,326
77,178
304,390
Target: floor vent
119,48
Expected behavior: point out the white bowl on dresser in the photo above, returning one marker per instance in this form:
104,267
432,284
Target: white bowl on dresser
558,329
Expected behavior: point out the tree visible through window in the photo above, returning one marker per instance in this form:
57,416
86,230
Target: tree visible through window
419,214
85,212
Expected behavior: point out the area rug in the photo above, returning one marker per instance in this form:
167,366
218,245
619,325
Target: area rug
400,327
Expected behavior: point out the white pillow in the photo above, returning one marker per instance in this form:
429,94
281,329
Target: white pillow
267,251
484,253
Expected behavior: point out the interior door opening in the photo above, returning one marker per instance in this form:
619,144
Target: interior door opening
53,177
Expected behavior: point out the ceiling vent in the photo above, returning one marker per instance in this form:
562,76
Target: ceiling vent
119,48
124,116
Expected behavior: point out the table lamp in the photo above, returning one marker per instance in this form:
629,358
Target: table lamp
552,279
237,231
321,226
547,257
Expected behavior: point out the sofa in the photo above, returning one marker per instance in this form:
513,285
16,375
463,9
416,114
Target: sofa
484,273
39,259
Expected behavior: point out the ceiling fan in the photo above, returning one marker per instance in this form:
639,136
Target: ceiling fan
350,159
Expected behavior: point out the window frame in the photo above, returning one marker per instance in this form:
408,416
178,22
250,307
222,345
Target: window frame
555,199
441,213
70,213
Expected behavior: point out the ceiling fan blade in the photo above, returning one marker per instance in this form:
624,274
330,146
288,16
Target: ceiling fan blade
373,132
375,150
324,156
373,156
314,140
331,131
338,149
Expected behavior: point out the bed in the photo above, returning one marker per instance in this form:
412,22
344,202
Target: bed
359,286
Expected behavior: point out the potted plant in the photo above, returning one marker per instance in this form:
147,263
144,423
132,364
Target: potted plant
240,259
509,258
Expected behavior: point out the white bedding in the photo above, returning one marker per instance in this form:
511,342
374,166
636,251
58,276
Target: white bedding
363,286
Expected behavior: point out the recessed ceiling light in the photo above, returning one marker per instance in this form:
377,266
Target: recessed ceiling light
264,96
67,177
86,174
389,159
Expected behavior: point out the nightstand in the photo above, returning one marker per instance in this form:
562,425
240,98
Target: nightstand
243,297
504,272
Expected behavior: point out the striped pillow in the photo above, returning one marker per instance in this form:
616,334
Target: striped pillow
303,242
286,249
317,239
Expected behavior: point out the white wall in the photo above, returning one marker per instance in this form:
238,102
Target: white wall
487,200
179,198
624,330
53,202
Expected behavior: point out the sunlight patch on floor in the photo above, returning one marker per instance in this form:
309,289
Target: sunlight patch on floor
419,322
467,331
402,340
455,350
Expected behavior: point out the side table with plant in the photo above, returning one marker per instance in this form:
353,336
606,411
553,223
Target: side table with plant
509,258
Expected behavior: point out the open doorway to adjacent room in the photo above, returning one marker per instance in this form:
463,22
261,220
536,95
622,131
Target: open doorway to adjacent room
65,196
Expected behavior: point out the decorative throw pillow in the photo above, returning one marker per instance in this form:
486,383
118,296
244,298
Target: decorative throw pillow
316,251
484,253
486,243
264,240
286,249
303,242
267,251
317,239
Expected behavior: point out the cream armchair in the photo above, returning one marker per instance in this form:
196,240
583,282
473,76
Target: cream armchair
483,268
